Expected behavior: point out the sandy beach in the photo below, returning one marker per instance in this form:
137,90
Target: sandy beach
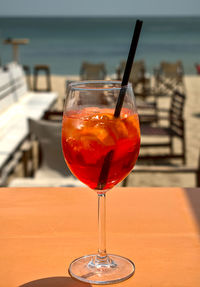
192,125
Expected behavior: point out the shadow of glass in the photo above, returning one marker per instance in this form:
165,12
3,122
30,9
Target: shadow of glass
194,200
55,282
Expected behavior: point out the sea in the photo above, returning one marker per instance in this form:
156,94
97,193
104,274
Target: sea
64,43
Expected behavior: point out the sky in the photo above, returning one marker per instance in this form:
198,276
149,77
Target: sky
99,7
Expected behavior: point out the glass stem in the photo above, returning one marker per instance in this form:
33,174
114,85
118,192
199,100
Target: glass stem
102,255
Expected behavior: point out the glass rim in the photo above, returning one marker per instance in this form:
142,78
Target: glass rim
84,85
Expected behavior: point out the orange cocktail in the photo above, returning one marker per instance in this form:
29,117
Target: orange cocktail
90,134
101,142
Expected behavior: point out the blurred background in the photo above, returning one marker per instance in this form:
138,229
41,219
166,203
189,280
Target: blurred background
65,33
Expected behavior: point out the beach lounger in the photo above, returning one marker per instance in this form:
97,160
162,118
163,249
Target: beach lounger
16,105
163,136
138,78
169,77
92,71
38,69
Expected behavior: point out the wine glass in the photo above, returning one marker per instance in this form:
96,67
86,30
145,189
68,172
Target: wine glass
100,149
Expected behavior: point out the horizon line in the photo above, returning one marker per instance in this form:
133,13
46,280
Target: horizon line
100,16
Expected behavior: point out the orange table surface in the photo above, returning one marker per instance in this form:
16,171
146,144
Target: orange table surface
43,229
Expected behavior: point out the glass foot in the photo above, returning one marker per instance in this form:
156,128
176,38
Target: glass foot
111,269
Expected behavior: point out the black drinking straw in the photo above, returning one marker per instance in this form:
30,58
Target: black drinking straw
107,160
127,71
